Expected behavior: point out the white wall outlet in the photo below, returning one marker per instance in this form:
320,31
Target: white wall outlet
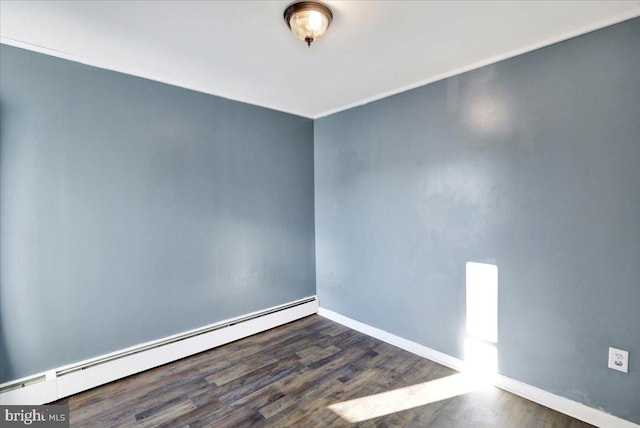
619,360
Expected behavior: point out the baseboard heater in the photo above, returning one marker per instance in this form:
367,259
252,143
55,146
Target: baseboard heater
73,378
22,383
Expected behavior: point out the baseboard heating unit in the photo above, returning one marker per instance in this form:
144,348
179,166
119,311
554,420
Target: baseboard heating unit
67,380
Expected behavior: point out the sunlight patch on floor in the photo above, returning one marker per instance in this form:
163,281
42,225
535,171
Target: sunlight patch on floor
397,400
480,356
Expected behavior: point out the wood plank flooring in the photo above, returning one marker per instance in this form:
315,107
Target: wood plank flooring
288,376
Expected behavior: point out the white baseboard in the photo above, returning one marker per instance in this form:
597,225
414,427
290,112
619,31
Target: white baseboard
56,384
561,404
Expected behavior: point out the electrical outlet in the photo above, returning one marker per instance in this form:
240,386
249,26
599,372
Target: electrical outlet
619,360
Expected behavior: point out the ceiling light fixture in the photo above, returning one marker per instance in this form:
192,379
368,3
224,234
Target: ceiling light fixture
308,20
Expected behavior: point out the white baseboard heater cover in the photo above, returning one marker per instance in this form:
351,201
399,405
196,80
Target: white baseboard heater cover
64,381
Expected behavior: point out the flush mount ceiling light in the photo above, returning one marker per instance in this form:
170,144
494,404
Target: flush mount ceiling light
308,20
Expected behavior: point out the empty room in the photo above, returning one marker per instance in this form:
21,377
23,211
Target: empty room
320,214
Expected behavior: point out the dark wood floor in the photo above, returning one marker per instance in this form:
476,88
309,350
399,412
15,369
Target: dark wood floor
287,377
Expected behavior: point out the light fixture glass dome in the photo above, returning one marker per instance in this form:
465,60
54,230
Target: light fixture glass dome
308,20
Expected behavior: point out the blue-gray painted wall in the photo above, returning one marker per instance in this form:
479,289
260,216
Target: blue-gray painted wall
531,164
131,210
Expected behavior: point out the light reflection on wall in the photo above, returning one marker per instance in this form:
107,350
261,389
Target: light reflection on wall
480,354
481,357
488,115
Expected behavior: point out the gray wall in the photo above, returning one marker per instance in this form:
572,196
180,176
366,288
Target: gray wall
131,210
532,164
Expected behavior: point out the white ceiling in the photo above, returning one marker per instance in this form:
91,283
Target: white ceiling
243,50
